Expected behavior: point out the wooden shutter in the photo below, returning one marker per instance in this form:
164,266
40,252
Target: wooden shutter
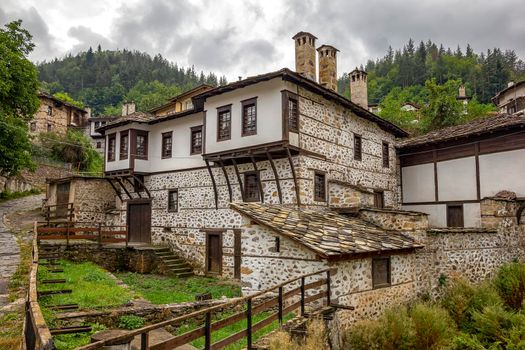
455,215
358,155
380,272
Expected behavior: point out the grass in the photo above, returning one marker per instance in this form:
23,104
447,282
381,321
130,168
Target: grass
165,290
11,330
75,340
8,195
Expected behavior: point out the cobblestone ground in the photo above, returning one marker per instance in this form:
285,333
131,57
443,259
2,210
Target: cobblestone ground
9,250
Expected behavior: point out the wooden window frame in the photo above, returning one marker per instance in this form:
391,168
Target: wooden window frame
462,215
124,134
112,156
144,134
208,234
358,145
245,104
245,187
170,209
194,130
316,197
377,195
277,244
165,136
220,112
286,97
385,150
376,285
99,145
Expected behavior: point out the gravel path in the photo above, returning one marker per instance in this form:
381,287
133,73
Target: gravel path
9,250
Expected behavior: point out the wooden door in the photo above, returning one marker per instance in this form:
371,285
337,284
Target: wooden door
139,222
62,199
214,253
455,215
237,254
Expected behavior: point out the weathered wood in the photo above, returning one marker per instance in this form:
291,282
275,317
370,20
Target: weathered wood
123,187
179,340
132,185
63,307
261,192
215,192
230,192
117,192
69,330
53,292
135,178
296,184
61,280
238,178
276,176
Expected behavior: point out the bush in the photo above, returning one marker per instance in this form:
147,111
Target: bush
494,325
510,283
433,327
131,322
465,341
281,340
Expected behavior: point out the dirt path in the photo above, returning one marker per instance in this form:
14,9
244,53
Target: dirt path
9,249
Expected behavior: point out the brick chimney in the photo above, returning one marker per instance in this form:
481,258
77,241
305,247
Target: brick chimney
305,54
359,88
328,66
128,107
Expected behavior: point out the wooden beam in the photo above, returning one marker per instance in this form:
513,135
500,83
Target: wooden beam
478,182
123,187
142,185
261,193
213,183
132,185
519,212
238,178
276,176
230,192
114,188
290,160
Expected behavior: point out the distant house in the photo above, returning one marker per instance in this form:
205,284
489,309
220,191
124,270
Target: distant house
410,107
57,116
511,100
181,102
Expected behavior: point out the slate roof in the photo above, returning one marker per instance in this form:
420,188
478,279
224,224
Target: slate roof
137,117
476,127
326,233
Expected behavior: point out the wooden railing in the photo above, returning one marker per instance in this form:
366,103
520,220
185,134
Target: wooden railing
291,295
59,211
36,333
69,231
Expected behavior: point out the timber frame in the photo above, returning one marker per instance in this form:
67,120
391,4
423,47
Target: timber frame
119,179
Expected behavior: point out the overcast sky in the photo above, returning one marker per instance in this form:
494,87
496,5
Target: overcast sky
247,37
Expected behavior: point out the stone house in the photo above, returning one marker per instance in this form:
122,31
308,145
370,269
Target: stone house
511,100
278,175
57,116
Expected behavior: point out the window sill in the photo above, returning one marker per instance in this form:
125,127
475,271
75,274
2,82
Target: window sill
379,286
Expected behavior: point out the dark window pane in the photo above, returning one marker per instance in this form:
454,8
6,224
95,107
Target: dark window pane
112,143
381,272
379,199
251,187
319,187
357,148
141,145
386,155
455,215
173,200
293,120
224,125
167,142
249,119
124,146
196,141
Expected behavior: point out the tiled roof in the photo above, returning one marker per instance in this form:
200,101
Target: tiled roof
137,117
474,128
326,233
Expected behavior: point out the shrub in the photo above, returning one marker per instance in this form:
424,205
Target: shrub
465,341
495,325
433,327
281,340
131,322
510,283
316,336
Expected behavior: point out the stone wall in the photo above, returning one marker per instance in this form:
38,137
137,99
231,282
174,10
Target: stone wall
57,120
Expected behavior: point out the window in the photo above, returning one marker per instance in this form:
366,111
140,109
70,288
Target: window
386,155
455,215
196,140
380,272
99,144
358,155
319,187
141,150
33,126
97,124
379,199
173,200
251,187
277,244
124,142
49,127
249,117
224,123
167,144
112,144
138,183
49,110
293,115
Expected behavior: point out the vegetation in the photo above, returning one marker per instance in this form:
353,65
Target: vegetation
64,96
164,290
8,195
102,78
18,99
316,338
131,322
489,315
76,340
74,148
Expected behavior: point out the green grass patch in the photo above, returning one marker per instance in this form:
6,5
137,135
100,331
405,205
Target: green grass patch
8,195
165,290
75,340
11,330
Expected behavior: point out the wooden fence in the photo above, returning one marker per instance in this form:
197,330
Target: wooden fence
70,231
289,298
59,211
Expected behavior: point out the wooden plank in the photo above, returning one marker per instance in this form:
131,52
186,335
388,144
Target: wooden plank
114,240
53,292
64,307
46,237
179,340
263,306
113,233
61,280
69,330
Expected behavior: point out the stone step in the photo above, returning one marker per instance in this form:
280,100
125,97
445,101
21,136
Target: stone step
181,270
173,261
184,274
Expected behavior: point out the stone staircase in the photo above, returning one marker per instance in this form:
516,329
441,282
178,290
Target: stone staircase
173,264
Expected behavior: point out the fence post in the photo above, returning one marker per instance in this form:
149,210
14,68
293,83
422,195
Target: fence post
99,235
328,301
302,296
144,341
127,233
207,332
249,324
67,233
280,313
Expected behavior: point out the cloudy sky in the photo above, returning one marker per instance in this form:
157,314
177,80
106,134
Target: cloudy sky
246,37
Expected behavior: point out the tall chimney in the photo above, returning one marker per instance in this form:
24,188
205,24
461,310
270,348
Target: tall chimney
128,108
359,88
328,66
305,54
461,92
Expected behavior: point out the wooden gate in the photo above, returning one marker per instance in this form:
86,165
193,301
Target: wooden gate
62,199
214,253
139,221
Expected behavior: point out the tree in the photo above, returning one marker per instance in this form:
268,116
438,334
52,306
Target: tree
443,109
18,98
